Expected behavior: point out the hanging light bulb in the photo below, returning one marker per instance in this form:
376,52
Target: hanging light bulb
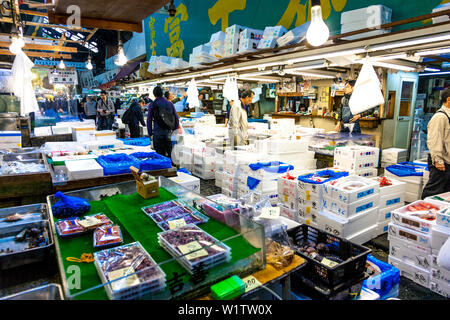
318,31
89,64
17,44
121,58
61,65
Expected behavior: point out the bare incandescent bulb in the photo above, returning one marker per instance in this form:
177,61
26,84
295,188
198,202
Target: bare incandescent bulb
89,64
61,65
121,58
318,32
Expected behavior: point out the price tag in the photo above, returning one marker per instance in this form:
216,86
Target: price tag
194,247
286,198
125,282
329,263
270,213
251,283
174,224
89,222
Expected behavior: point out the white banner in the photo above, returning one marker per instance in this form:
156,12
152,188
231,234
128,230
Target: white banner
69,77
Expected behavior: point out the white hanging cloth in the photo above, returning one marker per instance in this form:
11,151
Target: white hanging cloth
367,92
230,89
192,95
22,83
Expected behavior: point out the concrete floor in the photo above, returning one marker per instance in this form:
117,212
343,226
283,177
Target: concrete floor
35,275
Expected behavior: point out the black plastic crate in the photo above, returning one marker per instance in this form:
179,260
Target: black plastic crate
354,256
348,290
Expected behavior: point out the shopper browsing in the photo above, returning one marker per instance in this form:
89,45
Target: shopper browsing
133,117
90,108
161,122
238,120
105,109
438,142
346,116
227,117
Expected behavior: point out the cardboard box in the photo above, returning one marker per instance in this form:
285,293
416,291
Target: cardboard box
402,216
234,30
418,275
266,43
409,235
346,227
410,253
293,35
186,180
146,189
348,210
248,45
385,214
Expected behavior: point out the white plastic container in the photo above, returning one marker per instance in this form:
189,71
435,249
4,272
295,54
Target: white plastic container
43,131
418,275
186,180
103,145
84,169
409,235
343,227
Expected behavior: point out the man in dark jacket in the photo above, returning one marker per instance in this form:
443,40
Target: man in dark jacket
136,117
162,142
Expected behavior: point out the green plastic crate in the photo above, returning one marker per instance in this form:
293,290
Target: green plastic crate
228,289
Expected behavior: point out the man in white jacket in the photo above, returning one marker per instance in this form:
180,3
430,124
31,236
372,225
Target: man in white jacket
238,121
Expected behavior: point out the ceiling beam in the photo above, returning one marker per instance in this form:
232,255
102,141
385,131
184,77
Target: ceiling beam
90,35
42,38
33,13
32,46
97,23
39,54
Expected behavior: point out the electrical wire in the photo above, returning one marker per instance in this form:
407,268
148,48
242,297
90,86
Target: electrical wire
272,292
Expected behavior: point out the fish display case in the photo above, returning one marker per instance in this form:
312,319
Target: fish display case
325,143
181,263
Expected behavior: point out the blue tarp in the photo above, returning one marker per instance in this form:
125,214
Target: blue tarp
333,175
273,167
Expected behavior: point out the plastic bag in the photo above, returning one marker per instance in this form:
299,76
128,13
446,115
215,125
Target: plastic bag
69,206
443,258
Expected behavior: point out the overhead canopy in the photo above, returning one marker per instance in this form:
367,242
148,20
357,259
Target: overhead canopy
124,15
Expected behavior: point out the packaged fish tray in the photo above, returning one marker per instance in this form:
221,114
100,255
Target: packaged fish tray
160,206
69,227
94,221
193,246
141,274
190,218
107,236
331,260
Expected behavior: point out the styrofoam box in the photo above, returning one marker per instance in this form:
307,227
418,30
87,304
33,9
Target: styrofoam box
83,133
248,45
187,181
10,139
43,131
361,188
288,193
392,200
84,169
253,34
311,201
367,34
229,193
440,287
356,164
442,7
267,186
102,145
409,235
61,130
396,187
266,43
289,213
276,146
73,158
204,166
410,253
218,183
203,174
309,214
347,210
356,153
440,274
310,188
393,155
105,135
343,227
382,227
402,216
385,214
378,14
228,178
438,236
362,24
366,173
415,180
234,30
443,218
364,236
411,197
418,275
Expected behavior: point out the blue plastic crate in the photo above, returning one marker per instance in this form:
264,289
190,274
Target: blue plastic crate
333,175
117,163
149,161
384,283
142,142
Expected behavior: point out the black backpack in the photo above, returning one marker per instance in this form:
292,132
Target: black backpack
126,117
164,118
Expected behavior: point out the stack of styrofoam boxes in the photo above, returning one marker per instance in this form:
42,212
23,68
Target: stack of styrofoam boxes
232,35
186,180
217,43
201,54
43,131
310,193
288,194
84,169
444,18
294,152
270,37
393,156
187,154
439,277
204,163
103,140
83,133
242,169
391,197
10,139
360,160
369,17
414,241
249,40
229,176
219,168
426,173
282,127
414,184
265,179
349,208
293,36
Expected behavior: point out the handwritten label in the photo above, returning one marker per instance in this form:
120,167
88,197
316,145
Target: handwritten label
89,222
174,224
329,263
251,283
125,282
194,247
270,213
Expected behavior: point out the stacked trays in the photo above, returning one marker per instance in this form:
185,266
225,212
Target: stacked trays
144,276
164,212
193,248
